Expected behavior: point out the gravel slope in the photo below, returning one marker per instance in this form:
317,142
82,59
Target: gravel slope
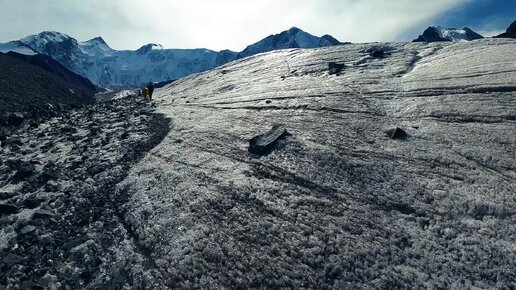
63,230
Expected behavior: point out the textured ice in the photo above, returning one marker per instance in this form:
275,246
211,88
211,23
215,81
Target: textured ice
340,205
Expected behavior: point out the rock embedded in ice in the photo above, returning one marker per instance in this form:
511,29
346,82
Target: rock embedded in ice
263,144
397,133
335,68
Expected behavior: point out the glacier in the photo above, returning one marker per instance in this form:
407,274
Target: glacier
131,194
338,205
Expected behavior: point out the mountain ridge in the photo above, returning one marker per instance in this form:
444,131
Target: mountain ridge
105,66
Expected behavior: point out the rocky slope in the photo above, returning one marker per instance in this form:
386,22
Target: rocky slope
60,214
33,87
437,33
107,67
49,64
333,203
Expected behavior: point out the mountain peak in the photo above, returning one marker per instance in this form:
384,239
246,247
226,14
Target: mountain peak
294,30
98,40
510,32
148,47
291,38
438,33
53,36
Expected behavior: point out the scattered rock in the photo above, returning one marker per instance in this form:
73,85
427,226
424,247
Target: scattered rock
15,119
7,209
68,129
32,202
27,229
263,144
7,195
335,68
14,141
377,53
51,173
397,133
74,243
12,259
26,170
43,213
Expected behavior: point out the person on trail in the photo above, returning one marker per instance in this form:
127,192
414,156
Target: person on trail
151,90
145,92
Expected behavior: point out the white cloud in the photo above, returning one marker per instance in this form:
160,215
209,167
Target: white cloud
128,24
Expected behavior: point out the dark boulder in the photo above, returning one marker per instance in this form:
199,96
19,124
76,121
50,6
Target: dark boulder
335,68
27,229
43,213
377,53
397,133
26,170
265,143
7,209
12,259
15,119
14,141
7,194
32,202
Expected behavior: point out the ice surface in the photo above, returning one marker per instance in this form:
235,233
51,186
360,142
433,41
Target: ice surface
340,205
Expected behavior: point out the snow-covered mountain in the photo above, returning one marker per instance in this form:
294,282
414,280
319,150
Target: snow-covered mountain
438,33
108,67
105,66
292,38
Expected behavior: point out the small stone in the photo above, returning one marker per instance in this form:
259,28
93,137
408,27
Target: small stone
32,202
26,170
15,119
14,141
335,68
262,144
7,195
43,213
12,259
28,229
377,53
397,133
8,209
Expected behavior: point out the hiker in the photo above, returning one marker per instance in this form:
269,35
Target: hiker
145,92
151,90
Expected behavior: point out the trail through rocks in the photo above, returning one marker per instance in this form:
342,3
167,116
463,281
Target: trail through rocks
67,231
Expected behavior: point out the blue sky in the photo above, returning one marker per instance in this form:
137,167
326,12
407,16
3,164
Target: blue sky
481,15
233,24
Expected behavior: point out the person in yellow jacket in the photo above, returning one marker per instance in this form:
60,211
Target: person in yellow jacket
145,92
